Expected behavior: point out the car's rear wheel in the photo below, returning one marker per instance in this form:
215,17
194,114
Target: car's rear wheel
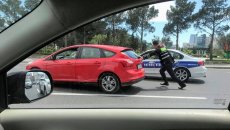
182,74
109,83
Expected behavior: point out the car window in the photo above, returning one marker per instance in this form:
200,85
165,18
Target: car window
12,10
184,27
176,55
68,54
108,53
88,52
131,54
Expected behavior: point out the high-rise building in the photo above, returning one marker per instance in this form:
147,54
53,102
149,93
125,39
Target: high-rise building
193,39
201,40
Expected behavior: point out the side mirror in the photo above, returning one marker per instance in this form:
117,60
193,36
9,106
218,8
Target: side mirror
28,86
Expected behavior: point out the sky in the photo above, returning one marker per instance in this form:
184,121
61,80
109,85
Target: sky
161,20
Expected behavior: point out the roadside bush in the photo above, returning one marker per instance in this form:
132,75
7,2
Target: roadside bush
218,53
46,50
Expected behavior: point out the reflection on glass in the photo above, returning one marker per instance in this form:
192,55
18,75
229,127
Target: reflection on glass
37,85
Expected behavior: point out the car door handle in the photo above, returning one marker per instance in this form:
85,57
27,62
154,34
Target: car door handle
97,63
68,63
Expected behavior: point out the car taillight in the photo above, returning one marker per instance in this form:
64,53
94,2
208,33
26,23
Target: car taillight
127,63
201,63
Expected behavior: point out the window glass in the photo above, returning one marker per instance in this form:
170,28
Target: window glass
88,52
13,10
69,54
108,53
154,57
131,54
203,57
176,55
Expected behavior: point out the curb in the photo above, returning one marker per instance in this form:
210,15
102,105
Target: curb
218,67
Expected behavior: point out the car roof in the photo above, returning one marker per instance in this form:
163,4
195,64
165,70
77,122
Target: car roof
106,47
168,49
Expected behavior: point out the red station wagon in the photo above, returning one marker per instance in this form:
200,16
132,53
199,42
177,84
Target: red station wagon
109,66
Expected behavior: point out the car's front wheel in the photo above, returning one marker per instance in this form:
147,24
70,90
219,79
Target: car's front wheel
109,83
182,74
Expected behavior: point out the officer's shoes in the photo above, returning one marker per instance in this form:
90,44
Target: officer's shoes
182,86
165,84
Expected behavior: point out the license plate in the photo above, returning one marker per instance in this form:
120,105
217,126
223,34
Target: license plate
139,66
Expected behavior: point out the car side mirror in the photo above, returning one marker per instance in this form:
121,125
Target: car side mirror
28,86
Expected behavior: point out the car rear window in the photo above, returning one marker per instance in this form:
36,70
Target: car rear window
131,54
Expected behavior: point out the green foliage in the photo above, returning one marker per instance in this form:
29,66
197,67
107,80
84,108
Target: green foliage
167,41
188,51
98,39
224,40
11,10
138,21
219,53
210,18
47,50
179,18
31,4
113,23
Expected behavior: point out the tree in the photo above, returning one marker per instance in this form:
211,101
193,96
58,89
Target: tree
113,22
2,22
138,20
210,19
98,39
11,10
179,18
167,41
86,33
224,42
31,4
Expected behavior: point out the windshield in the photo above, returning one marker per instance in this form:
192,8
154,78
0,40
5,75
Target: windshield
95,73
13,10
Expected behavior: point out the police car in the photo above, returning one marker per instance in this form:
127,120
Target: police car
185,66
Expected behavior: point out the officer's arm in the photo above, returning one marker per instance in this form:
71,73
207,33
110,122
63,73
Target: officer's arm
172,57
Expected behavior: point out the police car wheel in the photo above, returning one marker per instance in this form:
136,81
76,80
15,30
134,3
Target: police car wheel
182,74
109,83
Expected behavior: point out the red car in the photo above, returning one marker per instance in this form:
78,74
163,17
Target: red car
109,66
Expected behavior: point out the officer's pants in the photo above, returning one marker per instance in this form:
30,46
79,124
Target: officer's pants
169,69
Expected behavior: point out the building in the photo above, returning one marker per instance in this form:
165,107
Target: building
201,41
193,39
187,45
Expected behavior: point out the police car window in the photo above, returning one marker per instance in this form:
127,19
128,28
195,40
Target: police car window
88,52
69,54
108,53
176,55
154,57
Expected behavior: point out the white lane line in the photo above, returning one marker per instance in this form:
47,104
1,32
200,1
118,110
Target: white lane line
134,96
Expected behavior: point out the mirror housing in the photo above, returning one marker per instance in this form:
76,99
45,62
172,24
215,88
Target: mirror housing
28,86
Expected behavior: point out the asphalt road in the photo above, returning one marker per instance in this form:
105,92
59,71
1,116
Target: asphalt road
210,92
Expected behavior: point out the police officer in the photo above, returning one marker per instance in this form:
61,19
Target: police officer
166,61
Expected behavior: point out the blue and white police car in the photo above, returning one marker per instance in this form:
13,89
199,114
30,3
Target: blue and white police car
185,66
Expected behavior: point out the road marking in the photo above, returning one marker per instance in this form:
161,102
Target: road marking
135,96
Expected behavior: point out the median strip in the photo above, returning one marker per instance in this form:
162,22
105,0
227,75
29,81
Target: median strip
134,96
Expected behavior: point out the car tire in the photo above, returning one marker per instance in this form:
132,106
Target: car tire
182,74
109,83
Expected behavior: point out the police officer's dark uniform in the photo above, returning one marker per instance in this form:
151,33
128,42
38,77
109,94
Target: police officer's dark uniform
167,62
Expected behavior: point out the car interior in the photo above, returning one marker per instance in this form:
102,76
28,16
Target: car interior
51,20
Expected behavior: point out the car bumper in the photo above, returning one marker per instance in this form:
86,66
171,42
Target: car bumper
198,72
132,82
